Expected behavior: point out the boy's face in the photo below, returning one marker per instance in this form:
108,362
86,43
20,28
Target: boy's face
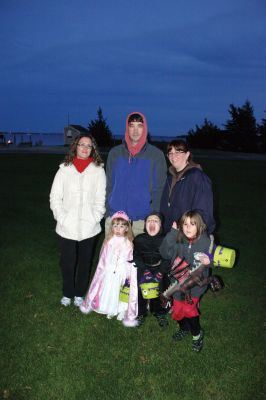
135,131
153,225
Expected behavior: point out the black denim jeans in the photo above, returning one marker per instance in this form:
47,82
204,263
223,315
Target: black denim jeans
75,263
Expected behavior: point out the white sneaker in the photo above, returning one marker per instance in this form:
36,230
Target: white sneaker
78,301
121,316
65,301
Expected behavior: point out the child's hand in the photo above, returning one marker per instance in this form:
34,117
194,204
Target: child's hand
204,259
158,277
174,225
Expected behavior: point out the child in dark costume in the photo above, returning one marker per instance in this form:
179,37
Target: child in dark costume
188,247
151,267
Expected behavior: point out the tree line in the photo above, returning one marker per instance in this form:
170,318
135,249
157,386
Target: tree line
241,131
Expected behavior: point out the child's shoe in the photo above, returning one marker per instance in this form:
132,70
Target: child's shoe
121,316
162,321
197,344
65,301
180,335
140,320
78,301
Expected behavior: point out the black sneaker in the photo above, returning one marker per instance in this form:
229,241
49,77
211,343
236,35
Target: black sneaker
141,320
198,344
162,321
180,335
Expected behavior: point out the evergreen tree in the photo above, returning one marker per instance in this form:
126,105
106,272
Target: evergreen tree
241,128
262,135
99,129
207,136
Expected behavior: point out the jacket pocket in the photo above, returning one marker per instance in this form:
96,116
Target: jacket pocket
88,216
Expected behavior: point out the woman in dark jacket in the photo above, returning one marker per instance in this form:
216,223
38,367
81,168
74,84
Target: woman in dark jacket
187,187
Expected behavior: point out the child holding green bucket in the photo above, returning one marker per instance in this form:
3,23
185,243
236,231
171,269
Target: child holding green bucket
114,269
189,248
151,269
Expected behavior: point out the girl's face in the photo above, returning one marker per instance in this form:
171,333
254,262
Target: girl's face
153,225
189,228
119,228
84,148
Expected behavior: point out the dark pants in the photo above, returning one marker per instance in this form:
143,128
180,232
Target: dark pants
75,263
190,324
155,304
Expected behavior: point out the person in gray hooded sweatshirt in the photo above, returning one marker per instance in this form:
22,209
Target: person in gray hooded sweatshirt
136,174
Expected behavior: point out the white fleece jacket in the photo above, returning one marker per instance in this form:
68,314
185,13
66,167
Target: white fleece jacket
78,201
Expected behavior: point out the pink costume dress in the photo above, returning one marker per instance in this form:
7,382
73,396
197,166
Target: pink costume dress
112,270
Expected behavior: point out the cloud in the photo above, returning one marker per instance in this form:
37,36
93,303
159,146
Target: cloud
178,61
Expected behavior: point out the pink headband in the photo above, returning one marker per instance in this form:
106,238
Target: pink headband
120,214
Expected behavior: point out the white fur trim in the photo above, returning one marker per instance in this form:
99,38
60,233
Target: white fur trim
85,310
130,324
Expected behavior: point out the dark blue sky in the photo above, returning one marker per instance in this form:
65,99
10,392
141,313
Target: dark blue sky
177,61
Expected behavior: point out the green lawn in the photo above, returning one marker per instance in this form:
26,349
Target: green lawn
52,352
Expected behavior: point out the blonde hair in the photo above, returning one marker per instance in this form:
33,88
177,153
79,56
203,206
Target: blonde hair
128,233
194,217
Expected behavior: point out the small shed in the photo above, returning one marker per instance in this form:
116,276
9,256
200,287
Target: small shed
72,131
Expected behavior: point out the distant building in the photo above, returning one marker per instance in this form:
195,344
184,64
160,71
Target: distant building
72,131
2,139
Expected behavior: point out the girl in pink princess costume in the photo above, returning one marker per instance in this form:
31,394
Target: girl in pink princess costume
114,269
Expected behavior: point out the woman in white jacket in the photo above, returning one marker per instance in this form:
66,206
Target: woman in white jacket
77,200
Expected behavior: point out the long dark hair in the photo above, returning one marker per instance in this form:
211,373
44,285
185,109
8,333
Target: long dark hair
73,150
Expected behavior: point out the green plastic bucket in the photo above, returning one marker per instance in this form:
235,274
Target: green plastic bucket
224,257
124,294
150,290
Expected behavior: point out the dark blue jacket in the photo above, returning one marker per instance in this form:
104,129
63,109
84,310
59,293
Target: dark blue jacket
192,192
135,184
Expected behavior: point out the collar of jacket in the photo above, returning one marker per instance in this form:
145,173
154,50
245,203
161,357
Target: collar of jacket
130,156
177,175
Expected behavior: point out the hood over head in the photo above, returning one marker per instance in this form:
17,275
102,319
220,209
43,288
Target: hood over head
133,150
158,215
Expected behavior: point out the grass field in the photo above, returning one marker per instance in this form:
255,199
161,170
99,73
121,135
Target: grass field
52,352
